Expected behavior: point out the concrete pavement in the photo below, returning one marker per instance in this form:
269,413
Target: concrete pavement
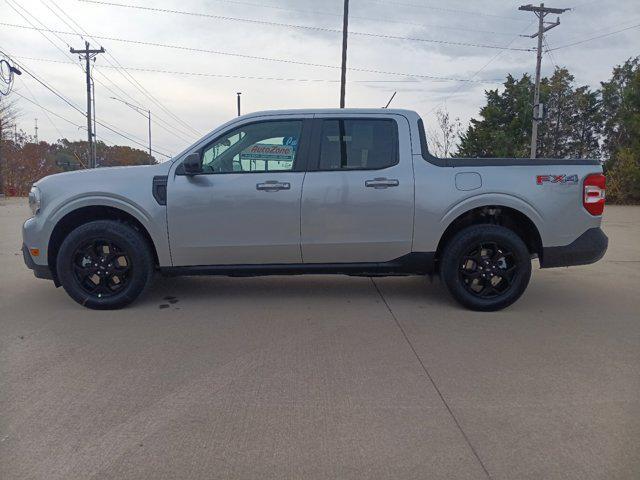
323,376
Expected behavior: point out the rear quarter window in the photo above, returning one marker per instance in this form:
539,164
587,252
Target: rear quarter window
358,144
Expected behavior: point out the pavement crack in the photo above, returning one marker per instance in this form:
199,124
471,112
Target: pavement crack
433,383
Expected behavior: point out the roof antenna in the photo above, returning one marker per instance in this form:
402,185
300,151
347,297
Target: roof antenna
390,100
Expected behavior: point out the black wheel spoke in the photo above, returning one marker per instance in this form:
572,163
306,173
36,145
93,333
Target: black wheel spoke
487,269
487,291
84,270
471,274
509,273
503,279
101,288
101,268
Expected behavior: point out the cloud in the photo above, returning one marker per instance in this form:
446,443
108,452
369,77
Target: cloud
204,101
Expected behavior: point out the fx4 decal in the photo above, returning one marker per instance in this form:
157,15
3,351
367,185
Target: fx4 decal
563,179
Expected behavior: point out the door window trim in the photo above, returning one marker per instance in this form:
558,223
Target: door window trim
316,144
299,163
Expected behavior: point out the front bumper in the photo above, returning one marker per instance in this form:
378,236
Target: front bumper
587,248
40,271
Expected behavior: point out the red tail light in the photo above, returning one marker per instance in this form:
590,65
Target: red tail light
594,193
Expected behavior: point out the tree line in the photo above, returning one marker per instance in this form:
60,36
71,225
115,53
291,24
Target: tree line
23,160
579,122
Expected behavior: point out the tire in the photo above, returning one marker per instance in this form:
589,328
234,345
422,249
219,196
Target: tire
486,267
104,264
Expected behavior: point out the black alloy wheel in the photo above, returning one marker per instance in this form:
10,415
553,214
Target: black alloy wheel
486,267
102,268
105,264
488,270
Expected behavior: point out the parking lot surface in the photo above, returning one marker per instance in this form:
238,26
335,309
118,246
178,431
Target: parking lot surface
323,376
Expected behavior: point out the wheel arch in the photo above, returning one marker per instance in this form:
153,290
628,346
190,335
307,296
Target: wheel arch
85,214
495,214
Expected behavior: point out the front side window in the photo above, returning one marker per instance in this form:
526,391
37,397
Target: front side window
358,144
256,147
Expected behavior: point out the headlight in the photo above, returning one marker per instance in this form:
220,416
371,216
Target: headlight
35,199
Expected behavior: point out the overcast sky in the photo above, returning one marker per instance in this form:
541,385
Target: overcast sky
188,105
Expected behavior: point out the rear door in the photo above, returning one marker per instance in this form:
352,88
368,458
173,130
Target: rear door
358,194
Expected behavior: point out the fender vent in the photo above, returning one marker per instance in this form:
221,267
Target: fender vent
159,189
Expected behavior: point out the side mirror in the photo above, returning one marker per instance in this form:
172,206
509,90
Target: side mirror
192,164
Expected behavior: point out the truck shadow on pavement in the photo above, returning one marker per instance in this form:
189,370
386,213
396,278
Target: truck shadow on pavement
167,293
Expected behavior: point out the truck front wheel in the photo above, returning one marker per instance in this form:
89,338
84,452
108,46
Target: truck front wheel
104,264
486,267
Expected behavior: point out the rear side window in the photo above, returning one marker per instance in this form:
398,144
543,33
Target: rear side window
358,144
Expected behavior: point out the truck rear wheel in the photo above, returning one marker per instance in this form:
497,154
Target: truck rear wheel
486,267
104,264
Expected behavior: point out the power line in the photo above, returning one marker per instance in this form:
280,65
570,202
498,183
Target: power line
303,27
316,12
181,125
8,2
75,107
51,89
41,31
549,52
491,60
358,17
46,110
109,79
595,38
441,9
241,77
283,79
102,122
255,57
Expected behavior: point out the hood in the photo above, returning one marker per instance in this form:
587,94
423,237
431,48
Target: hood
106,174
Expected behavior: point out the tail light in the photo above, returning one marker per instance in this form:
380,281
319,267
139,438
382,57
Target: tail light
594,193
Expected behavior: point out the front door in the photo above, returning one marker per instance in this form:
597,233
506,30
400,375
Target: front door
245,206
358,199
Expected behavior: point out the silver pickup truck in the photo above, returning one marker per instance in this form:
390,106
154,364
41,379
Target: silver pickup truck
350,191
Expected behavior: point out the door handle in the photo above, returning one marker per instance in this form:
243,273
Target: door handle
382,183
273,186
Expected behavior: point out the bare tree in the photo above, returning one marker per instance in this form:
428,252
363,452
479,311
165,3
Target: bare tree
443,138
8,116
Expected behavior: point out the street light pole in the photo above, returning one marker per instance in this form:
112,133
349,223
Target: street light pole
144,113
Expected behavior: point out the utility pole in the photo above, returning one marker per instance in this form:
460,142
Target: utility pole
343,73
88,55
541,12
36,130
238,99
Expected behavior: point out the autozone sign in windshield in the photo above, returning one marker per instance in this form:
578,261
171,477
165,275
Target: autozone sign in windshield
268,152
